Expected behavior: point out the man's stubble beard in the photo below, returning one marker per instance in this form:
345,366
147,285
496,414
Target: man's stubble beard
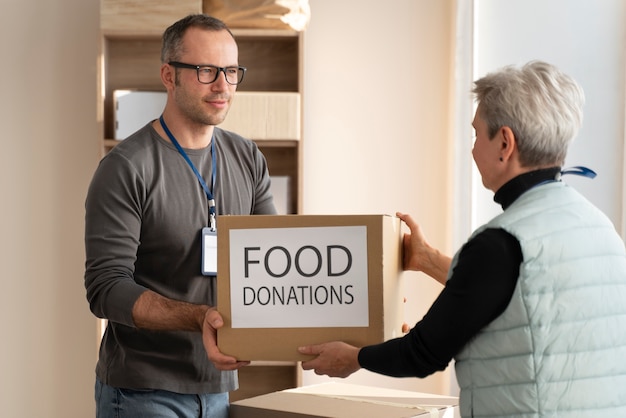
195,112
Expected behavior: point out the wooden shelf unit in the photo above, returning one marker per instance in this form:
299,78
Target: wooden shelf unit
131,61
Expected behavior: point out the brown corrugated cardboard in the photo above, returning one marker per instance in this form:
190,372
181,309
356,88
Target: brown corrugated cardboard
338,400
339,280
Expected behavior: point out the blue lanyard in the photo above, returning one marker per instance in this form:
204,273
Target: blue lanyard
182,152
577,170
580,171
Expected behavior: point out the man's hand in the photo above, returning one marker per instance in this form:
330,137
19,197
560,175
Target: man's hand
212,321
335,359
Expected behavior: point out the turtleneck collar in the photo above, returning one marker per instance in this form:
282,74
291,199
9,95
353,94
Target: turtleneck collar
515,187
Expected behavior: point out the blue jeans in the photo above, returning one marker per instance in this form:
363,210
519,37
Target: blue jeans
127,403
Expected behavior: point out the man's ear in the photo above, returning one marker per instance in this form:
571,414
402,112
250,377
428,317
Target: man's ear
509,142
168,77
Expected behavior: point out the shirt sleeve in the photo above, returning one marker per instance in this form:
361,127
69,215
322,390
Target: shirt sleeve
478,291
112,230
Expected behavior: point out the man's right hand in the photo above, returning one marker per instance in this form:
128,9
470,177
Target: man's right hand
212,321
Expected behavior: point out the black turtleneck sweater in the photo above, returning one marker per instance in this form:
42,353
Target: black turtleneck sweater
478,291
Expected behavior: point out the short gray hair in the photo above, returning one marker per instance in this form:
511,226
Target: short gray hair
541,105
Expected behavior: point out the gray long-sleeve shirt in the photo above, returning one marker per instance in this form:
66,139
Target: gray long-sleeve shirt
145,210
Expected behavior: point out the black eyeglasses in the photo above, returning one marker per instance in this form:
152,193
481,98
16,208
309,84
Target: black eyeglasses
209,73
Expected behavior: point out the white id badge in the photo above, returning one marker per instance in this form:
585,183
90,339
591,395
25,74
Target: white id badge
209,252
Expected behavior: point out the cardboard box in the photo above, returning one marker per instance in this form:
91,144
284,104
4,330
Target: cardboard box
288,281
264,115
339,400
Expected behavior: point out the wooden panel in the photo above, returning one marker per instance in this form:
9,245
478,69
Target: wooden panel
265,115
272,63
252,13
283,161
143,16
129,64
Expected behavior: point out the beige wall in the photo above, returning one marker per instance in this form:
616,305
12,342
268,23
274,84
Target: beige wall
377,131
376,142
48,152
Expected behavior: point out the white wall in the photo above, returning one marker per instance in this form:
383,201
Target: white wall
586,39
376,100
374,145
48,129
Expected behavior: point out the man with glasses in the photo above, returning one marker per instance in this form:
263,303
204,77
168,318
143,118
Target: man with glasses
150,211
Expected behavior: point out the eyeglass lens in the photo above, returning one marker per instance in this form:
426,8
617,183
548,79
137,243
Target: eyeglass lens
208,74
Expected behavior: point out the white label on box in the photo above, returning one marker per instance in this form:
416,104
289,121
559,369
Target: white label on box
299,277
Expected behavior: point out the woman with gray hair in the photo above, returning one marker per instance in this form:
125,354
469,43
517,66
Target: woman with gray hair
534,304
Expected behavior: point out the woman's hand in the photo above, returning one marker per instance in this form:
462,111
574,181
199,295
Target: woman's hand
335,359
418,255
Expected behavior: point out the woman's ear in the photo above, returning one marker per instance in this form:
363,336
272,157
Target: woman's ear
509,143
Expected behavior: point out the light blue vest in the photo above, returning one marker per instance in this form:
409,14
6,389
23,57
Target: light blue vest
559,348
